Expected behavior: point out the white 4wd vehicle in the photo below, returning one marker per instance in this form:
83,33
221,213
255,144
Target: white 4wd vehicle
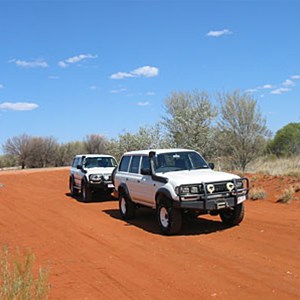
176,182
91,172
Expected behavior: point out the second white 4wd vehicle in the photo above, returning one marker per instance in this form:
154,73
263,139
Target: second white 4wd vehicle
91,172
178,182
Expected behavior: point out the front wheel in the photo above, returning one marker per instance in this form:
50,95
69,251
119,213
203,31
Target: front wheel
169,218
233,216
126,207
86,192
73,190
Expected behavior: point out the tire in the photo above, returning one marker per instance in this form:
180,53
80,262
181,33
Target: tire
126,207
234,216
86,192
73,190
113,174
169,218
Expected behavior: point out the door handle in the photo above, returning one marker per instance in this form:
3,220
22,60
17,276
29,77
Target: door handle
138,181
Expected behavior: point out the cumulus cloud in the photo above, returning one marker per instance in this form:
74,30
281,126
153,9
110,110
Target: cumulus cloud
218,33
39,63
75,59
280,91
267,86
146,71
1,86
295,76
21,106
146,103
288,82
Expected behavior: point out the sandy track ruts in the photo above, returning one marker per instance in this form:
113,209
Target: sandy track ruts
93,254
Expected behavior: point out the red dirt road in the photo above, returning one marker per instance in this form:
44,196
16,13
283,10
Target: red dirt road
93,254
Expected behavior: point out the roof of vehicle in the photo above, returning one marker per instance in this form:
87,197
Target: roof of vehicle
158,151
93,155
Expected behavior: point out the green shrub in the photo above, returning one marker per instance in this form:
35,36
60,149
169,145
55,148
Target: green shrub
17,279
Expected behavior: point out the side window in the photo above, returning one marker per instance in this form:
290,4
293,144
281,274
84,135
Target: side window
74,164
124,163
135,163
145,163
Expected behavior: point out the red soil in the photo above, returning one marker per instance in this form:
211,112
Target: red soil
93,254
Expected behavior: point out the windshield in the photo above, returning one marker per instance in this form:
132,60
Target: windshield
99,162
178,161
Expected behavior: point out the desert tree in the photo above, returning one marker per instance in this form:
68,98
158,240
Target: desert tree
286,141
242,129
95,144
189,121
19,147
65,152
42,152
147,137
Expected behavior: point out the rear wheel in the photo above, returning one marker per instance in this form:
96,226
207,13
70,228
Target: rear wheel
233,216
126,207
169,218
87,194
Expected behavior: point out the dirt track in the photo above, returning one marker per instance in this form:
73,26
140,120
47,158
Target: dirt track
93,254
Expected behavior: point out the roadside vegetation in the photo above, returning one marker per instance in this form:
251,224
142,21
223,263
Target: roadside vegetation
229,131
20,279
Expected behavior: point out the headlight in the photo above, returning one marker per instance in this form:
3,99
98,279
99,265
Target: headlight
239,184
186,190
96,177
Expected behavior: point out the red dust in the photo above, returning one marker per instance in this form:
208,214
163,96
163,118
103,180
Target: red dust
93,254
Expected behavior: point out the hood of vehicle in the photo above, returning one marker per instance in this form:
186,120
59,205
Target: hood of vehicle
197,176
99,170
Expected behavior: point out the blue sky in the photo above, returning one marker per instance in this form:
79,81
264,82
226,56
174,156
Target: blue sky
72,68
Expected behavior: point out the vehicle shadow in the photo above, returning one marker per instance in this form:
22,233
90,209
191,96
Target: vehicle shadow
97,197
146,220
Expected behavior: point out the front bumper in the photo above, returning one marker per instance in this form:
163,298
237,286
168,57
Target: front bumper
103,185
206,202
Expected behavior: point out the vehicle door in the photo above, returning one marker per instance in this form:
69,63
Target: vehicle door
147,187
133,177
78,172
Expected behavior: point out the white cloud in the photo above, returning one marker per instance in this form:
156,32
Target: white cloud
295,76
93,87
280,91
39,63
288,82
143,103
22,106
267,86
218,33
251,90
118,91
1,86
150,94
75,59
146,71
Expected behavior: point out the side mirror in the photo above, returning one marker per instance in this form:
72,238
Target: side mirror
145,171
211,165
79,167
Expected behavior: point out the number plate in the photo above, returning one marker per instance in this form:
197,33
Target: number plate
241,199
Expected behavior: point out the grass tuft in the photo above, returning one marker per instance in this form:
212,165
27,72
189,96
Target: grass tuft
287,196
257,193
17,279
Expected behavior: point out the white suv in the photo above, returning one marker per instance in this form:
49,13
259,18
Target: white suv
91,172
178,182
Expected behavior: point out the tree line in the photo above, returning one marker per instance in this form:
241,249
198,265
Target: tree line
234,130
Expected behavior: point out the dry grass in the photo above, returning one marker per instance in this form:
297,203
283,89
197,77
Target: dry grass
17,280
257,193
287,196
276,166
